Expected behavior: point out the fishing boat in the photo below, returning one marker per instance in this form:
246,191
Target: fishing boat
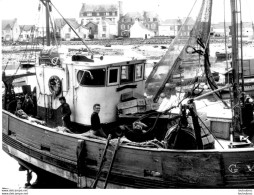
223,54
184,152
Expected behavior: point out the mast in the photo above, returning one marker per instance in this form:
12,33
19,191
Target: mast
46,4
241,41
235,65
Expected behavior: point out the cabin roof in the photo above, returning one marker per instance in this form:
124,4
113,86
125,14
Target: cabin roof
106,62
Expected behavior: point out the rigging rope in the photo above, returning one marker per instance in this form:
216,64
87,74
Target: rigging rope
72,29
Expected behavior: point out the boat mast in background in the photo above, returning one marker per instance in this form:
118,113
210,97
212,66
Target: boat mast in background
46,4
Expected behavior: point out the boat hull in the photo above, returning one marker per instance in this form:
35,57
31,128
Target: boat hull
77,159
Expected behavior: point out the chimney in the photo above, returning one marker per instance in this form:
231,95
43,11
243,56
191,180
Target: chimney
120,8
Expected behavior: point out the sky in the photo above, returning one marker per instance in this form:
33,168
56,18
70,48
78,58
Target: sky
27,10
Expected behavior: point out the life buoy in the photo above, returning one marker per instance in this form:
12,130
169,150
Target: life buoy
55,85
54,61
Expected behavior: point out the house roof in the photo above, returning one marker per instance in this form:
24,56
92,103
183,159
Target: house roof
27,27
142,25
150,14
60,23
170,22
7,24
191,21
109,21
177,21
220,25
133,15
91,22
83,26
98,8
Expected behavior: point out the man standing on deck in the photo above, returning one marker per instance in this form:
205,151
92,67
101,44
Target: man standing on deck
95,122
28,105
66,112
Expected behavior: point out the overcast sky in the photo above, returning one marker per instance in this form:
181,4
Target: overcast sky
26,10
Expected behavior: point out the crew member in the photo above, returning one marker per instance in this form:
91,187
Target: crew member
28,105
19,112
95,122
66,112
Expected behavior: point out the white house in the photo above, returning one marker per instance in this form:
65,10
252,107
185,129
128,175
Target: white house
138,30
96,12
107,29
82,31
26,32
10,30
170,27
65,31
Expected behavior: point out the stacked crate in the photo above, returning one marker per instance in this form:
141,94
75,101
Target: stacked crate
132,103
132,106
150,105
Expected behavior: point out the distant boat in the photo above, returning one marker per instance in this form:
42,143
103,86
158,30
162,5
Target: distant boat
222,54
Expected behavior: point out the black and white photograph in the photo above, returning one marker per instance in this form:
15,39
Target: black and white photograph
127,94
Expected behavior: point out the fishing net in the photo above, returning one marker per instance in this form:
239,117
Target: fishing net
183,63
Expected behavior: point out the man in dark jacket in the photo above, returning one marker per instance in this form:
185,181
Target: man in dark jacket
66,112
95,122
28,105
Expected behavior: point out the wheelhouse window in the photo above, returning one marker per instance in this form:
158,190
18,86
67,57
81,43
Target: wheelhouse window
113,76
127,74
139,72
94,77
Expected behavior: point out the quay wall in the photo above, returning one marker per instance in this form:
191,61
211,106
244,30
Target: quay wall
123,41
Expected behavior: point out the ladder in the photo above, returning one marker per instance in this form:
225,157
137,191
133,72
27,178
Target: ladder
103,159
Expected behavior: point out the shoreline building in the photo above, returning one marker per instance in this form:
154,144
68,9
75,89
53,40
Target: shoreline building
170,27
106,16
66,33
26,32
150,20
138,30
10,30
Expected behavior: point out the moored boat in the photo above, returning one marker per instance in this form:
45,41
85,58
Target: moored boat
195,155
